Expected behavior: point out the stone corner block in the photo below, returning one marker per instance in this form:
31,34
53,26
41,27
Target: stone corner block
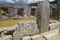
37,37
26,38
48,35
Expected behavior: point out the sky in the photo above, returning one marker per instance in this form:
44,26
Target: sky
24,0
37,0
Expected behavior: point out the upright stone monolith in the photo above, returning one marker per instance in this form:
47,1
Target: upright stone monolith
43,16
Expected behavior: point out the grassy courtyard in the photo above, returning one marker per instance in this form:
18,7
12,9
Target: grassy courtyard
7,23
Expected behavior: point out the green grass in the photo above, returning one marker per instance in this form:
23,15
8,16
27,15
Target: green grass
7,23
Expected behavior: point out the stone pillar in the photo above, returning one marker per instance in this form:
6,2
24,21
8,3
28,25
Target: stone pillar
12,11
27,11
15,11
43,16
36,11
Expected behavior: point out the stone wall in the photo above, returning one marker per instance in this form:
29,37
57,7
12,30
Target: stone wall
12,11
6,37
26,28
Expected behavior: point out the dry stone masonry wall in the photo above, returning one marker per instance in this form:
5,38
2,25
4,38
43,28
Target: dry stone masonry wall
26,28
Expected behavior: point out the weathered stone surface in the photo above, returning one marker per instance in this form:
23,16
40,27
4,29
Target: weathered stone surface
7,37
12,11
54,25
29,12
3,17
56,30
28,28
43,16
25,11
10,28
37,37
3,29
36,11
48,35
56,37
26,38
25,28
16,35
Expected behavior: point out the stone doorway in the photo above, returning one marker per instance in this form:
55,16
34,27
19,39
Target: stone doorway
20,12
33,12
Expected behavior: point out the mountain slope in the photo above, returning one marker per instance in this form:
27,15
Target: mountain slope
15,3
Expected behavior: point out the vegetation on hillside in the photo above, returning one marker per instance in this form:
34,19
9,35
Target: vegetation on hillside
3,12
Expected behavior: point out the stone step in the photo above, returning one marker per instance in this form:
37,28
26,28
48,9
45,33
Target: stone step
35,37
38,37
50,34
6,37
26,38
56,37
54,25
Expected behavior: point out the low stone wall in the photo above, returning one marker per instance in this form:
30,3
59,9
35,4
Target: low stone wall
26,28
37,37
48,35
54,25
6,37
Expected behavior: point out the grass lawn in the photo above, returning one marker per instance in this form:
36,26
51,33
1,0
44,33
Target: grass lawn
7,23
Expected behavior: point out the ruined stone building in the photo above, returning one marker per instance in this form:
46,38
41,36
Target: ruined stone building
24,10
30,10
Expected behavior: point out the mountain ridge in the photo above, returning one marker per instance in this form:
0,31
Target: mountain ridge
15,3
